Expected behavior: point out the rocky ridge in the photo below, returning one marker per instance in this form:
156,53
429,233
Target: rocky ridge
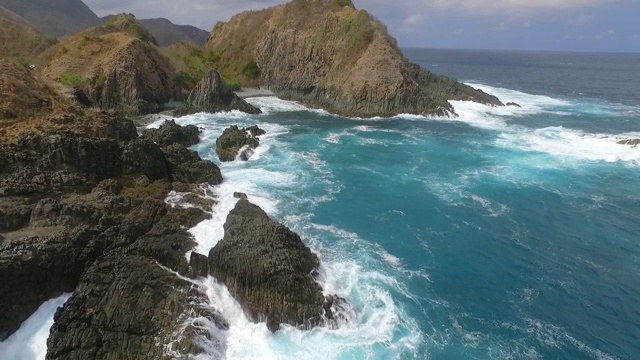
113,66
325,53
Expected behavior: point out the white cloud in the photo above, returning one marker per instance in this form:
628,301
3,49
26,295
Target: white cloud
493,6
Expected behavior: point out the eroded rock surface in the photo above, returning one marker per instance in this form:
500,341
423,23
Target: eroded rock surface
238,142
212,95
268,269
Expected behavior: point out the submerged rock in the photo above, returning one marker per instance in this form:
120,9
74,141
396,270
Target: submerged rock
631,142
513,104
268,269
238,142
212,95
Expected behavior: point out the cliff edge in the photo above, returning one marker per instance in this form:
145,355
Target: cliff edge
325,53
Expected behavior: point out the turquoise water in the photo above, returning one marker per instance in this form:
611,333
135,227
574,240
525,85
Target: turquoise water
505,233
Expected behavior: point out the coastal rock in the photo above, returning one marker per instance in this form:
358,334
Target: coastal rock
268,269
631,142
326,54
82,210
513,104
237,142
212,95
240,195
170,133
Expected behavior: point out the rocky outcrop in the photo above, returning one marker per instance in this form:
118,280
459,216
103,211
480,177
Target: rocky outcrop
117,65
268,269
631,142
170,133
82,209
212,95
238,142
325,53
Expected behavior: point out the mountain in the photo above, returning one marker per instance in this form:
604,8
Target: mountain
114,66
19,40
168,33
325,53
54,17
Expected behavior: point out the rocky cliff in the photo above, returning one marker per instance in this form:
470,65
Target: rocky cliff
82,209
327,54
116,66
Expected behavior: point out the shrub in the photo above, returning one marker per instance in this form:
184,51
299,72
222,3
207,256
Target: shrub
251,70
184,79
235,85
71,79
101,80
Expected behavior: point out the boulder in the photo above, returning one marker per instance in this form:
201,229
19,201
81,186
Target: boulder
212,95
268,269
513,104
170,133
240,195
235,141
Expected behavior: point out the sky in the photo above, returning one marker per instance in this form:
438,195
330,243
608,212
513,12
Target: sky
554,25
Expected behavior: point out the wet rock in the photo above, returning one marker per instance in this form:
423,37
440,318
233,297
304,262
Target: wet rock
198,265
170,133
513,104
212,95
267,268
237,142
239,195
631,142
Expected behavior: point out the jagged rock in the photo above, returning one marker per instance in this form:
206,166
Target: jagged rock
235,141
213,95
170,133
198,265
513,104
82,209
631,142
327,54
239,195
267,268
255,131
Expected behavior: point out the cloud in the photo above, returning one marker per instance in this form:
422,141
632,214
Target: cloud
502,6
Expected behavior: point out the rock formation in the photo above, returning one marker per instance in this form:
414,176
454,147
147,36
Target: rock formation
212,95
268,269
325,53
238,142
117,65
631,142
171,133
82,209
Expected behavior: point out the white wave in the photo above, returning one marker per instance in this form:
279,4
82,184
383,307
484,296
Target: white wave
574,144
272,104
30,341
333,138
526,100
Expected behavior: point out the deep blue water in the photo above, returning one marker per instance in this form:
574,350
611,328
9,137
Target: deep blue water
503,234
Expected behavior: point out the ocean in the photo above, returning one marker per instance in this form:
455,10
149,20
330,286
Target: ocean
505,233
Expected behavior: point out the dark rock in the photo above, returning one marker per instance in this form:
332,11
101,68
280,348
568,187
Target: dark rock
187,166
267,268
82,210
255,131
170,133
214,95
234,142
239,195
631,142
513,104
198,265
